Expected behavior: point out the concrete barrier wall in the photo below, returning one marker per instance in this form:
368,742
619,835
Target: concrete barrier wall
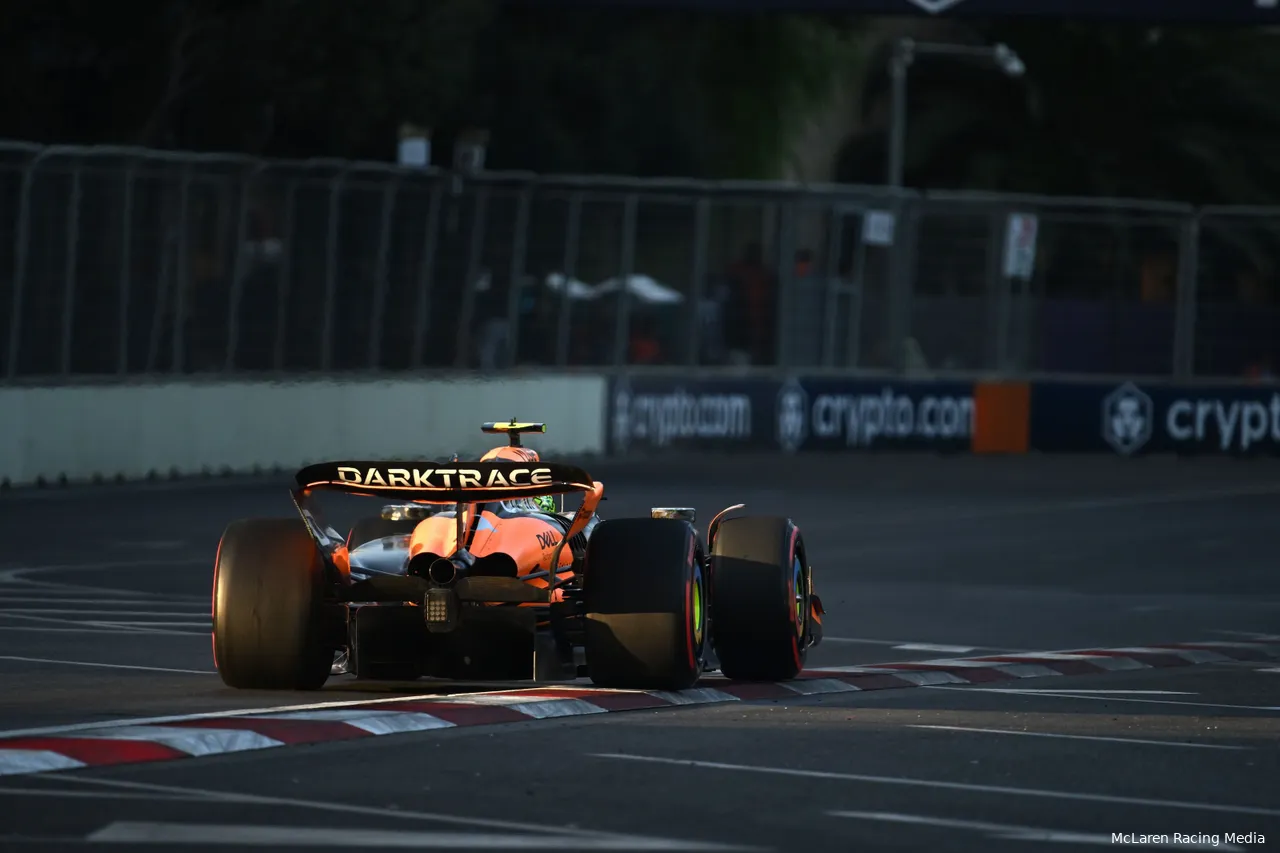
88,432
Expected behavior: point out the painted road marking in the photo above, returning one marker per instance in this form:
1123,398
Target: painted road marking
129,832
507,697
34,761
1074,690
526,701
913,645
56,598
1251,635
61,793
60,624
1078,737
373,722
949,786
206,624
193,741
1065,694
84,611
338,807
115,632
108,665
1021,833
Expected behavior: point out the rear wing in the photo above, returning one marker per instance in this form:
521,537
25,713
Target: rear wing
446,482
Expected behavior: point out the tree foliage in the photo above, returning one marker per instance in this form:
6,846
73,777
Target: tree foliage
1103,110
1186,115
574,89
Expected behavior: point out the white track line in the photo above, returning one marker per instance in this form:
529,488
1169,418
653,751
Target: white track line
61,624
1057,690
966,512
335,806
1068,695
99,603
89,611
1022,833
115,632
130,832
108,665
62,793
913,645
505,695
1078,737
1003,790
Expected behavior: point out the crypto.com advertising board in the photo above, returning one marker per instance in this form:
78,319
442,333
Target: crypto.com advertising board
792,415
1132,418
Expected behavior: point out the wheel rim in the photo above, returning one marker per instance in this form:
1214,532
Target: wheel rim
798,591
699,617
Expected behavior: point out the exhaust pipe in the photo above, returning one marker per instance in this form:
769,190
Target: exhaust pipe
443,572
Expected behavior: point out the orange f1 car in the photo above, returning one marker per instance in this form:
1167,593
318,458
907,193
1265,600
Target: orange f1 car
479,573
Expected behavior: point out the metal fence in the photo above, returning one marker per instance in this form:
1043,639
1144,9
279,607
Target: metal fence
130,262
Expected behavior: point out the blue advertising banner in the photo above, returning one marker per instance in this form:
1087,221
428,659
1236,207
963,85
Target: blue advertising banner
1134,419
825,413
675,412
799,414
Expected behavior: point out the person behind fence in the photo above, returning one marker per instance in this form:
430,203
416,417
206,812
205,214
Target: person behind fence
753,293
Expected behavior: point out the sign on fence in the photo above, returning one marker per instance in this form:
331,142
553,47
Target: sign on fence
1020,245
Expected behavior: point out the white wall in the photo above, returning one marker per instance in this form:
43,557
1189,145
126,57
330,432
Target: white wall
182,428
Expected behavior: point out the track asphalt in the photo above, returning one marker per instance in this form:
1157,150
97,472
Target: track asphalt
104,603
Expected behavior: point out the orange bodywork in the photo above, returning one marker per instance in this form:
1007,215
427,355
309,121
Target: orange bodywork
530,542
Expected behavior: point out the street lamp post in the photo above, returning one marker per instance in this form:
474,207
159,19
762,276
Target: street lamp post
904,53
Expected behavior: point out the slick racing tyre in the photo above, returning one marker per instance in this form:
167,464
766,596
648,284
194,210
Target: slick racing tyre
369,529
760,599
271,628
645,604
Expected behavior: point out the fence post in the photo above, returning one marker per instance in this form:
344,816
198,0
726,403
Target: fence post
784,318
479,224
519,248
901,278
238,271
622,327
382,271
426,272
698,284
22,245
1184,324
126,281
181,275
284,274
331,264
70,269
573,231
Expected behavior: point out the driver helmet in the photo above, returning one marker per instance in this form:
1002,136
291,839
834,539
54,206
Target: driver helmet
545,503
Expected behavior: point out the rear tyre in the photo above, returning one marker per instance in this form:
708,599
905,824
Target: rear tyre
645,603
369,529
271,628
760,599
